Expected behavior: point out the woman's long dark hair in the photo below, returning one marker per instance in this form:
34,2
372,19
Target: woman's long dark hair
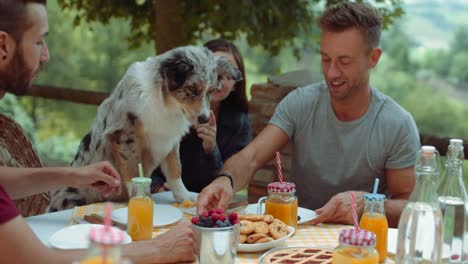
237,99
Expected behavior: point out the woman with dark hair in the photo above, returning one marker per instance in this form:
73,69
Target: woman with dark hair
207,146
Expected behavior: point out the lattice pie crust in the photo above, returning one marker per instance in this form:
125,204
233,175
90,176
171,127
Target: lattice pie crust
300,256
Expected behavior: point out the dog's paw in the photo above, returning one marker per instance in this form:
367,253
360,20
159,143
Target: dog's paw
185,196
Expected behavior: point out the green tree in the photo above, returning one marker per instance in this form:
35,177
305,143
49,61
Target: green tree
397,44
458,69
269,24
438,61
460,41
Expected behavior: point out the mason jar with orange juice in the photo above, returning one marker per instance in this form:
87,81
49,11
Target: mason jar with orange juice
105,246
281,202
374,220
357,246
140,210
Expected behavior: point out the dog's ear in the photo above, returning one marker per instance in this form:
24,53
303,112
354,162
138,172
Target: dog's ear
225,67
175,70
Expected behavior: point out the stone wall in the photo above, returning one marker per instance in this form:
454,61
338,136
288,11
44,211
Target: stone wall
265,98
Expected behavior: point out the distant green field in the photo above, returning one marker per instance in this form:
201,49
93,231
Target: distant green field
434,21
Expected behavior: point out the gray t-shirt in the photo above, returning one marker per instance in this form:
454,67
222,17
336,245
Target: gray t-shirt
331,156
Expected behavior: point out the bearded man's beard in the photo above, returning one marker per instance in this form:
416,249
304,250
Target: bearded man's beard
17,77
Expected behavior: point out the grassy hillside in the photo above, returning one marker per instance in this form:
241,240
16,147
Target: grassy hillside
433,22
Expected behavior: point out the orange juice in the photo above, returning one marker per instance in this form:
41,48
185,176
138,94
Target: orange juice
140,218
377,223
348,256
284,211
97,260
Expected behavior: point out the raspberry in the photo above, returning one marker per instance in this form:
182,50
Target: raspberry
235,222
195,220
233,216
211,211
204,214
219,211
222,217
215,217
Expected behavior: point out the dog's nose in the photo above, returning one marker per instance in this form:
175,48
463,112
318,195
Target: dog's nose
203,119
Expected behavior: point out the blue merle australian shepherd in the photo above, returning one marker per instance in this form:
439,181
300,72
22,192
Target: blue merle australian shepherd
146,116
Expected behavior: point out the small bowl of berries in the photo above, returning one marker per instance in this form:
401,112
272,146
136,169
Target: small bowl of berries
216,236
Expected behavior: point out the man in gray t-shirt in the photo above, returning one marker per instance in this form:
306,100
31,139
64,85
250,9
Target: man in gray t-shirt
344,133
332,156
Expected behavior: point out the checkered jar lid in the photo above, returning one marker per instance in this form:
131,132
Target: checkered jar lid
359,238
374,197
282,187
106,235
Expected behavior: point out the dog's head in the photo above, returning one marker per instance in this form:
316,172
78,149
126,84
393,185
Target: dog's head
190,75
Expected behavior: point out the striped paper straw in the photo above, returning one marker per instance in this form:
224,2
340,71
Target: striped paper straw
354,211
278,164
107,228
376,186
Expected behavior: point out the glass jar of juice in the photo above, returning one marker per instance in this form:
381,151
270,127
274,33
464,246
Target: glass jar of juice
105,246
374,220
140,210
356,247
281,202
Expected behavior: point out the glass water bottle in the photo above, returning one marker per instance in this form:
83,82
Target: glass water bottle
452,195
420,226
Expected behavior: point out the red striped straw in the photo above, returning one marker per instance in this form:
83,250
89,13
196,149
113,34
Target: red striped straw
278,164
107,228
354,211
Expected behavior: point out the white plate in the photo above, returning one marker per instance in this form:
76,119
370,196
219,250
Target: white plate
168,198
76,237
165,197
265,246
305,214
163,214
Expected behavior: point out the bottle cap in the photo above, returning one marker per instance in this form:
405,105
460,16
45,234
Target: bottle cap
428,149
141,180
106,235
282,187
456,141
374,197
359,238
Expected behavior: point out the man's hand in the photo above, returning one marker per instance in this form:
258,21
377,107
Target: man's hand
207,133
176,245
338,209
216,195
100,176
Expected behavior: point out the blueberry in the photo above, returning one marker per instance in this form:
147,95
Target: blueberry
209,222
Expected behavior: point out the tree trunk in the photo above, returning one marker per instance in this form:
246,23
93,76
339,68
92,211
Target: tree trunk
168,25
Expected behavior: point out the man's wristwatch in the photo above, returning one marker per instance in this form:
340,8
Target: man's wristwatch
224,174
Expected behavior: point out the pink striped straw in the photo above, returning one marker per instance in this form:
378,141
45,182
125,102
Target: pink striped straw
107,228
278,164
354,211
107,216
